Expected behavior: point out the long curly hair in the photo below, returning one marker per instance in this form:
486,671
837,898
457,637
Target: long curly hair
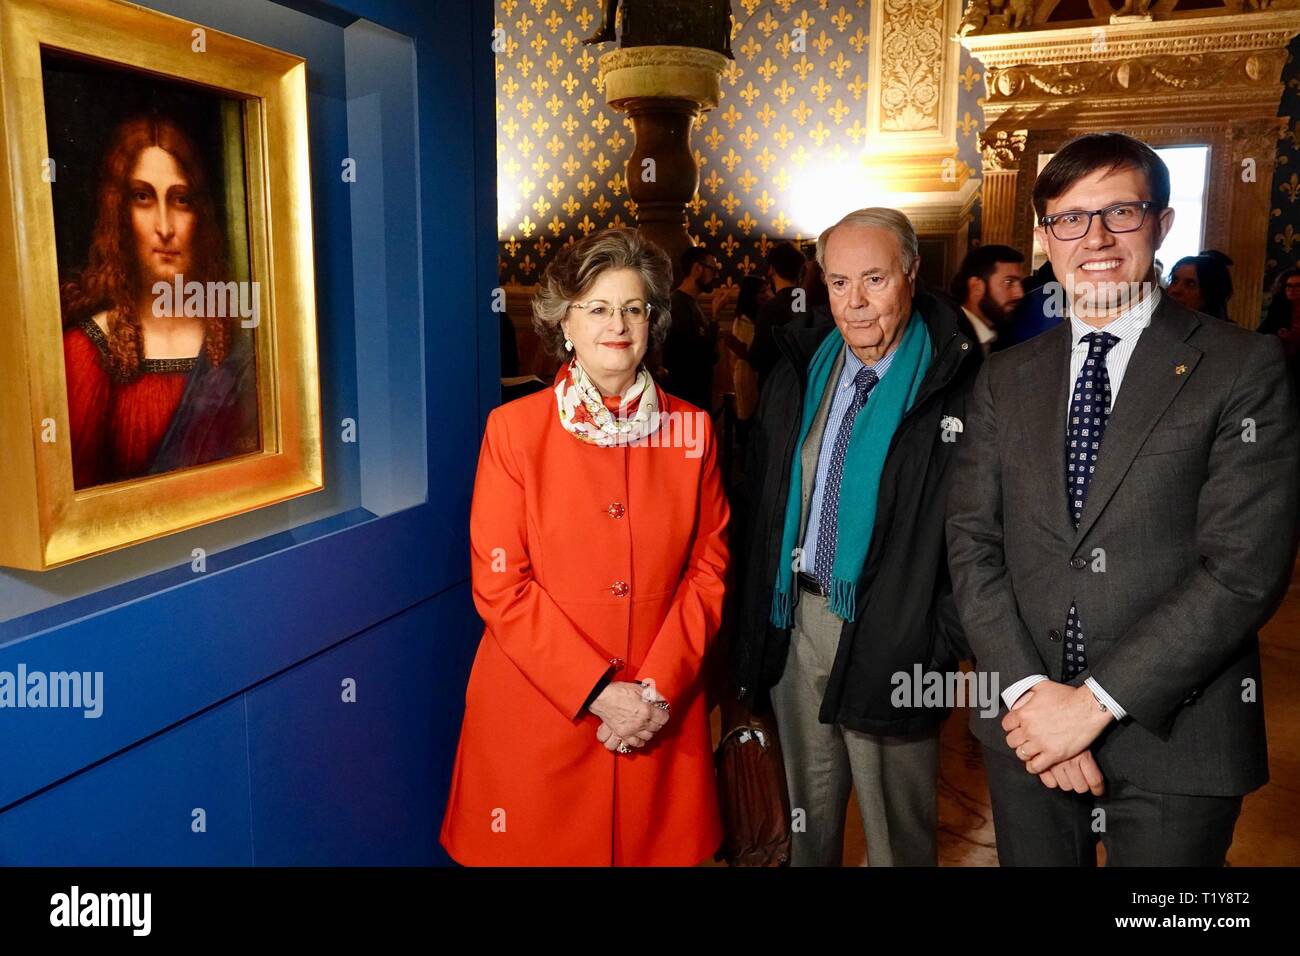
111,278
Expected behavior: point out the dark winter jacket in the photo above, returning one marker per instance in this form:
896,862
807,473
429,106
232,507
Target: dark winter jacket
905,611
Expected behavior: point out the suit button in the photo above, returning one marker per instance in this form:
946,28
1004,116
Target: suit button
1053,635
617,663
616,510
1078,563
619,588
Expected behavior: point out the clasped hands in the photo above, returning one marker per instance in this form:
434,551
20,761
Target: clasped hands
626,717
1050,728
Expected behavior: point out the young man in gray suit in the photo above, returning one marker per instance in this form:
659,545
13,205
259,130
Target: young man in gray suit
1122,522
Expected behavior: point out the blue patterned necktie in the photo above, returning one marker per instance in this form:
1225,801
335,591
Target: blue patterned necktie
1089,408
827,532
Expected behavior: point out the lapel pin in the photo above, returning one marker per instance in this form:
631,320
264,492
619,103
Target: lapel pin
1180,369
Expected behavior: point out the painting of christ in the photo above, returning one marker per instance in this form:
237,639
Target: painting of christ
144,205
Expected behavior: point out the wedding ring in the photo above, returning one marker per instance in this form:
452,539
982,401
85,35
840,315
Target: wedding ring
661,704
624,748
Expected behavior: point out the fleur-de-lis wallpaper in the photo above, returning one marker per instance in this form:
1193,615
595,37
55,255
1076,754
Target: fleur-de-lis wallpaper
1284,221
785,116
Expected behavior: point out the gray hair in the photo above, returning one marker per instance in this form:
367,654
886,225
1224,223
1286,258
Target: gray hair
577,266
882,218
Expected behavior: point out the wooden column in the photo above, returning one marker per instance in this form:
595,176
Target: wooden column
663,89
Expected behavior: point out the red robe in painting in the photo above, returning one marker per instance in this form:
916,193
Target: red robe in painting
119,429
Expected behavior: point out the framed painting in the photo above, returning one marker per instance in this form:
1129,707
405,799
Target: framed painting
160,366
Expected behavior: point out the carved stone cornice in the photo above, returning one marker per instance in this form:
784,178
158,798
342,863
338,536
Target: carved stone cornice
1223,68
1192,36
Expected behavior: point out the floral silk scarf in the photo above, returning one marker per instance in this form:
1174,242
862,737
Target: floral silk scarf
585,415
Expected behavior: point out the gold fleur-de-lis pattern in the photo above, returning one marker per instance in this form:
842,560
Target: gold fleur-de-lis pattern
795,96
970,122
1284,223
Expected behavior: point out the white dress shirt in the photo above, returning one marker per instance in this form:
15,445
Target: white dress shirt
986,335
1127,327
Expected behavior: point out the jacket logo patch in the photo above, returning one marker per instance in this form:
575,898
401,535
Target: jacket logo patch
951,423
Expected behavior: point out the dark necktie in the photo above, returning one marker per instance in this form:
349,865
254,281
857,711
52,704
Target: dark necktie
827,531
1089,407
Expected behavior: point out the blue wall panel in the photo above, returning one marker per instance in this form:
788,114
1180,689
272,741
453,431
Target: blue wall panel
137,808
338,782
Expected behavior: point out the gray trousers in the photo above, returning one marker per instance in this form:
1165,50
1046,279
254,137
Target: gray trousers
896,779
1038,826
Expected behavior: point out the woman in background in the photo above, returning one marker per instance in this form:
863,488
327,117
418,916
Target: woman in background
1202,283
598,553
1283,319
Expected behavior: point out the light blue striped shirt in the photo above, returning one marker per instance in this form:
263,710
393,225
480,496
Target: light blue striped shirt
840,403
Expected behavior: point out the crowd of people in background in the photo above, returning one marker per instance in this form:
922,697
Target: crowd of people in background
1001,304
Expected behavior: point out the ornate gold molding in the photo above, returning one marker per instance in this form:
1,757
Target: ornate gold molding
992,17
911,142
1203,67
1001,151
912,46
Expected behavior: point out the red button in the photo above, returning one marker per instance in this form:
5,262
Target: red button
616,510
619,588
618,663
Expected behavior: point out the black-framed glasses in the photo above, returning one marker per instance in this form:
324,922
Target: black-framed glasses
1117,217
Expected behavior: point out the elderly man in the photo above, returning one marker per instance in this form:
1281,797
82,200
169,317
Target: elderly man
844,585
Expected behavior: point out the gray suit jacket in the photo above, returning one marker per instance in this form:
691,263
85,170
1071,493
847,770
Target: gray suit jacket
1194,524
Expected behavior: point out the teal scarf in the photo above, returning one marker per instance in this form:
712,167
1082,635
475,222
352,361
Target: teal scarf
860,485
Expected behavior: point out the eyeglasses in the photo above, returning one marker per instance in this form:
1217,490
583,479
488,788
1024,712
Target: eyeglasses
1118,217
600,310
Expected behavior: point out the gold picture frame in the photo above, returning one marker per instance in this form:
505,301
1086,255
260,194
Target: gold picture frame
45,520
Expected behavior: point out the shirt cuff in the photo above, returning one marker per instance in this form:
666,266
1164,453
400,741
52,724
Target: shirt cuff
1111,705
1012,693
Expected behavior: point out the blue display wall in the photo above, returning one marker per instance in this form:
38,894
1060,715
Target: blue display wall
297,699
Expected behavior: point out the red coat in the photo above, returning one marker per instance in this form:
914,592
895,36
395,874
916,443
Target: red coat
582,554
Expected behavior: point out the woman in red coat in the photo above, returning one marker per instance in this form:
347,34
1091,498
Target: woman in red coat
598,540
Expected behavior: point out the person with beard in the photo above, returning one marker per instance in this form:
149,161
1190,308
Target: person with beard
691,349
989,285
